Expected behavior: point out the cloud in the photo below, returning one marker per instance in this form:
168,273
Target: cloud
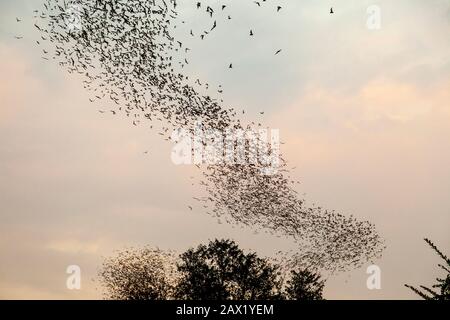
380,103
75,246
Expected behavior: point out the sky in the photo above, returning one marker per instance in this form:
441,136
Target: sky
364,114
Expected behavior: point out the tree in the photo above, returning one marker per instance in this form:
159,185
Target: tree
304,285
219,270
442,285
222,271
139,274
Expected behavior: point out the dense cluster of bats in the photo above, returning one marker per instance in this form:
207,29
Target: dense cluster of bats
126,52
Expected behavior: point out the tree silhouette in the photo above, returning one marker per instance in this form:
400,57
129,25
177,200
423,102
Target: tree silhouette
139,274
304,285
222,271
219,270
442,285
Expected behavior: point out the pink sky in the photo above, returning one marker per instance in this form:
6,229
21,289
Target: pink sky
365,116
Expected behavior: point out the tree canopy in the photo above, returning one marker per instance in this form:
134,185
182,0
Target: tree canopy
218,270
222,271
304,285
441,290
139,274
